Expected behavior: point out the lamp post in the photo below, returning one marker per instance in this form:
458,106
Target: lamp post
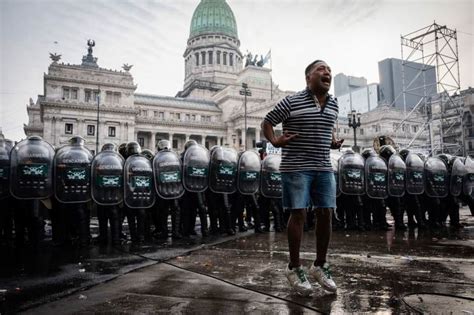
354,122
97,131
245,91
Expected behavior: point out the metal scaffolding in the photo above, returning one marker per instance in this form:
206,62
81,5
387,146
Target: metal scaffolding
434,47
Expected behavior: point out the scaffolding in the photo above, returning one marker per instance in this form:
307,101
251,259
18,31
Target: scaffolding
435,48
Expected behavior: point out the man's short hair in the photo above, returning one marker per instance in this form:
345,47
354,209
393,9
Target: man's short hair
310,67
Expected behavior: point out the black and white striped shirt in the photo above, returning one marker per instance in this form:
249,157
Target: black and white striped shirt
301,114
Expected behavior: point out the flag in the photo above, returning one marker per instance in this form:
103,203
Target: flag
268,56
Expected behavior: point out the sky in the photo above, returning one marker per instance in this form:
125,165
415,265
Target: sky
351,36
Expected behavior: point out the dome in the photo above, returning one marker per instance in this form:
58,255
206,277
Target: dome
211,17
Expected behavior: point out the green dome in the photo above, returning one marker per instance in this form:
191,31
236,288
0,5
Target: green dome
213,16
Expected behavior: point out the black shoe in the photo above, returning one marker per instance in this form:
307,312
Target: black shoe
242,228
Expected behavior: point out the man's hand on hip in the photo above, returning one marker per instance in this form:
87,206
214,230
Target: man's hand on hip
283,140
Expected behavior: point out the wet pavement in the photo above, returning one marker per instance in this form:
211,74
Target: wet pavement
417,271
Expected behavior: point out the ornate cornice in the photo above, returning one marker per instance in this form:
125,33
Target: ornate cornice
176,123
90,82
83,106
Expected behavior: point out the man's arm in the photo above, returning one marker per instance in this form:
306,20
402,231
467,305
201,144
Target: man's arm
277,142
336,143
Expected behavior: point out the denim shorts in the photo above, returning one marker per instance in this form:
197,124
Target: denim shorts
303,189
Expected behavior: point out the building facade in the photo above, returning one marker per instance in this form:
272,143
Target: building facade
415,79
103,105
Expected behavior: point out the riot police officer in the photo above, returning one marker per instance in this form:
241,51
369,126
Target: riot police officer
195,180
167,170
31,180
107,191
72,165
139,190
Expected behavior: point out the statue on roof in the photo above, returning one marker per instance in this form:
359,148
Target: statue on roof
54,57
127,67
89,60
90,43
248,59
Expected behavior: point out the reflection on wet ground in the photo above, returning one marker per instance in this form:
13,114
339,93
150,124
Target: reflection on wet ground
374,270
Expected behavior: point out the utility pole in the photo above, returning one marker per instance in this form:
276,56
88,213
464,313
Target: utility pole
245,91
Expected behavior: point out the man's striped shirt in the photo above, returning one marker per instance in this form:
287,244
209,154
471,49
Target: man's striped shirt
300,114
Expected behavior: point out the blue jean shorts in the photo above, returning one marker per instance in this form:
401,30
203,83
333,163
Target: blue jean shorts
303,189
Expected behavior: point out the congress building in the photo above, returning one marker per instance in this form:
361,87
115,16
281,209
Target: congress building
223,92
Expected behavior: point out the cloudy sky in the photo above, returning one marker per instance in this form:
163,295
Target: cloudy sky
352,36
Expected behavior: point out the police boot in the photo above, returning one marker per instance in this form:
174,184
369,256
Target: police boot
114,219
202,215
227,216
176,220
102,216
454,217
277,217
141,217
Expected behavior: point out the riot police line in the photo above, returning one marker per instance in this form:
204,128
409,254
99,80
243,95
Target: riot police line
223,187
425,190
220,185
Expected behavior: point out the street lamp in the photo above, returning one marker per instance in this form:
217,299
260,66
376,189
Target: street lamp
354,122
245,91
97,131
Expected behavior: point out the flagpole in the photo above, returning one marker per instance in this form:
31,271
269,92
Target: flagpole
271,79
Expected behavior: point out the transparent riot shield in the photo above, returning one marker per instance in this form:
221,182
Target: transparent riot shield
139,188
351,174
223,170
248,173
196,168
396,176
107,178
468,182
436,178
458,171
270,182
32,169
72,172
376,178
167,169
335,156
4,169
415,176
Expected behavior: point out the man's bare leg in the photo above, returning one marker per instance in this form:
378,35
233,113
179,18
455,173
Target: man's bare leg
323,234
295,234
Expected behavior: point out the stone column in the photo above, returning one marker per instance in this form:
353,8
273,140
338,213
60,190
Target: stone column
187,137
153,141
257,135
244,139
203,140
171,140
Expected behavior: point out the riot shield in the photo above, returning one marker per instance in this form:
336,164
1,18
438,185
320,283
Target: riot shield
376,178
4,169
335,156
396,176
351,174
468,182
167,170
270,177
72,172
248,173
196,168
223,170
107,178
139,191
32,169
415,176
436,178
458,171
